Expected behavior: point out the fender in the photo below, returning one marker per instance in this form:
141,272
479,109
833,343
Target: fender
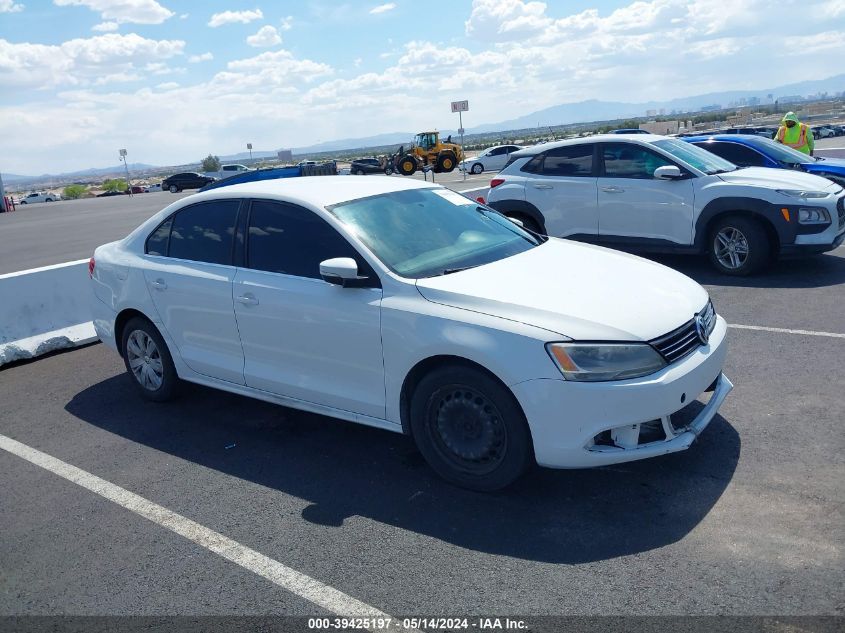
766,212
520,206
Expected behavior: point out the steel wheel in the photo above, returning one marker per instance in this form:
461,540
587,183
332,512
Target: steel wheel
477,168
467,430
730,246
144,360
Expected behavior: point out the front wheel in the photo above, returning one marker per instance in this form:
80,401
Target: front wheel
477,168
148,361
174,189
407,166
739,246
470,429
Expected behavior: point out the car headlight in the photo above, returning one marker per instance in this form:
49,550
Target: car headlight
813,215
594,362
803,195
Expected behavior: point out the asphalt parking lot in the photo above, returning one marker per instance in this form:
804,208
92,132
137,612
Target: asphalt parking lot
749,521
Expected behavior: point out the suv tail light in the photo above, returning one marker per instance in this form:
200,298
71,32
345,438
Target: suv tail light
91,265
496,182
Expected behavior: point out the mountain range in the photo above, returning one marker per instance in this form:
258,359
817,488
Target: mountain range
579,112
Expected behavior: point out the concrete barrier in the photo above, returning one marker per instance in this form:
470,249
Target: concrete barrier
44,309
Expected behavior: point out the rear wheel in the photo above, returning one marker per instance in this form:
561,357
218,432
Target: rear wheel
446,162
174,189
477,168
148,361
739,246
407,166
470,429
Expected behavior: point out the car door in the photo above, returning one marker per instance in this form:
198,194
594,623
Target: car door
302,337
562,186
637,208
189,275
495,159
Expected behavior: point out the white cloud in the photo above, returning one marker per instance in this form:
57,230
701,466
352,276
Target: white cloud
266,37
196,59
79,62
234,17
383,8
105,27
358,61
170,85
184,16
287,23
120,11
9,6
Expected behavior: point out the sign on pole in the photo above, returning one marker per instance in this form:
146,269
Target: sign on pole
460,106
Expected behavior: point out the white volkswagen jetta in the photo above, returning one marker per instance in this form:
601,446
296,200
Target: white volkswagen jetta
403,305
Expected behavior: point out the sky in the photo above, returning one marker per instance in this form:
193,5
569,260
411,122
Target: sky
174,80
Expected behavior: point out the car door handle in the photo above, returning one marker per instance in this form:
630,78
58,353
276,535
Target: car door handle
613,189
247,300
159,284
537,186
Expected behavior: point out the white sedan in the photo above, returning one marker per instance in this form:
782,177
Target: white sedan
39,196
491,159
405,306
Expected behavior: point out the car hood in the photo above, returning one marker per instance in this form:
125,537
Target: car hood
834,165
776,179
578,291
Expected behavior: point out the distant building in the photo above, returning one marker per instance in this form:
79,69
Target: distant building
711,108
661,127
651,112
285,155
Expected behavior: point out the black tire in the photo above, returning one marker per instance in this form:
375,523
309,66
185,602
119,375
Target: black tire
738,246
477,168
23,202
359,172
527,222
388,171
446,162
170,382
173,189
48,199
470,429
407,166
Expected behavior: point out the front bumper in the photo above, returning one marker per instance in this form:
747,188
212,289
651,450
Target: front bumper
566,417
800,249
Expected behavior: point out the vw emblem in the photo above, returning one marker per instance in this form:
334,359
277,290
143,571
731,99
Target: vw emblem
701,329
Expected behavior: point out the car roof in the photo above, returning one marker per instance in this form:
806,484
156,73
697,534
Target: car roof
639,139
319,191
744,139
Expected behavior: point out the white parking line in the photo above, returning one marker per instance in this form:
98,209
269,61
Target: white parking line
289,579
784,330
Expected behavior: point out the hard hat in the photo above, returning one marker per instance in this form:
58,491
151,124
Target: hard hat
789,116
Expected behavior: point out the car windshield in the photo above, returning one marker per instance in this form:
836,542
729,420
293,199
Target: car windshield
429,232
781,152
700,159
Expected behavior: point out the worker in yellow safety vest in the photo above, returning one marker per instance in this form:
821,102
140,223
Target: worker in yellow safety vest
795,134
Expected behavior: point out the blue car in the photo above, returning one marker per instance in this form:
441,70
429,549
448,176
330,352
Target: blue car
746,150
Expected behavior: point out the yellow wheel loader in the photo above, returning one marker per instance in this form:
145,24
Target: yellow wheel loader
427,149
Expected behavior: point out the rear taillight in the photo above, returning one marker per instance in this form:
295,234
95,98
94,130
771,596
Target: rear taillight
481,200
91,265
496,182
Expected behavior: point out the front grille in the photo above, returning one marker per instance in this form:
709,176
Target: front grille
840,210
684,340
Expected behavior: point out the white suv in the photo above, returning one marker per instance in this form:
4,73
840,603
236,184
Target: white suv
658,194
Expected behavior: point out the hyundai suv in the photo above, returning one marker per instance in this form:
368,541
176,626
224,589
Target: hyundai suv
657,194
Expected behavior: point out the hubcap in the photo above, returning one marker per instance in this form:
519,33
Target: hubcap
144,360
468,430
731,248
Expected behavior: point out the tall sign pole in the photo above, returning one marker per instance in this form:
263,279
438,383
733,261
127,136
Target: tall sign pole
126,166
460,107
249,147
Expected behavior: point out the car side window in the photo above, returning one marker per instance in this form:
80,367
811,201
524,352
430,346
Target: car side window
285,238
204,232
497,151
736,153
627,160
159,239
570,160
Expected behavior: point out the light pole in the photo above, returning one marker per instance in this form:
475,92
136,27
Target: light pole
126,166
3,195
460,107
249,147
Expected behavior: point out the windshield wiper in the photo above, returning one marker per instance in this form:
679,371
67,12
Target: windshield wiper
449,271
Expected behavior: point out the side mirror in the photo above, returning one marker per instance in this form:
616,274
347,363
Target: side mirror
668,172
342,271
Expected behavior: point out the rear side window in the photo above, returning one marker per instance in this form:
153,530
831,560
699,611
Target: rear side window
627,160
158,240
571,160
204,232
284,238
734,152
